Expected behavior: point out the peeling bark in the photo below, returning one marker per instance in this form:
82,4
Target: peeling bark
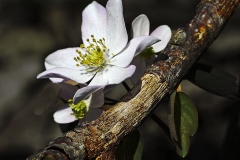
99,139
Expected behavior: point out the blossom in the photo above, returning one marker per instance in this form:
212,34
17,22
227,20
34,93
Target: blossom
81,107
104,57
140,27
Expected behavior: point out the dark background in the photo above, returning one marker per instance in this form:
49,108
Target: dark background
32,29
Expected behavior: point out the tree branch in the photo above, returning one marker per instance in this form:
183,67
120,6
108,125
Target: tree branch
99,139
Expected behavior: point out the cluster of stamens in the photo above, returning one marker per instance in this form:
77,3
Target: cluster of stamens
79,109
94,55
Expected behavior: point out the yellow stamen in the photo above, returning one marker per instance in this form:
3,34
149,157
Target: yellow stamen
79,110
95,54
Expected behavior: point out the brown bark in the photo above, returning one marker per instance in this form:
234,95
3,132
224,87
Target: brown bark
99,139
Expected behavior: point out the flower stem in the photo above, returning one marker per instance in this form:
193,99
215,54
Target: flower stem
126,86
111,100
161,124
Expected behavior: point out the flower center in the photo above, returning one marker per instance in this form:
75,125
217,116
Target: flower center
147,53
94,56
79,109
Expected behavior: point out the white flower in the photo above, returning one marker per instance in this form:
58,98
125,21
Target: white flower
82,107
104,57
140,27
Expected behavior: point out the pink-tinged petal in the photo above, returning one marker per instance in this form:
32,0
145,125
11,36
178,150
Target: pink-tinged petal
147,42
116,31
66,73
91,115
62,58
64,115
109,87
116,75
135,46
56,80
139,62
97,99
85,92
164,34
94,22
140,26
99,79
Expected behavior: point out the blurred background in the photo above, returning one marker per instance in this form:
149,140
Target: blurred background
32,29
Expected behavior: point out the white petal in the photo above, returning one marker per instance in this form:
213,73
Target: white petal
135,46
87,101
116,75
64,115
94,21
116,31
66,73
139,62
56,80
164,34
140,26
84,92
99,79
147,42
109,87
97,99
62,58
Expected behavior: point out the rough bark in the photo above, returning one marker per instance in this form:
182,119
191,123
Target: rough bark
99,139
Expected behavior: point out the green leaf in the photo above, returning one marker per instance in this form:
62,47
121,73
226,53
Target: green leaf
183,121
131,147
215,81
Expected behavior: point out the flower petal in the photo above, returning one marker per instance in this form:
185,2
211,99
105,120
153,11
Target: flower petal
139,62
84,92
64,115
147,42
99,79
97,99
56,80
62,58
67,73
116,31
116,75
140,26
109,87
134,47
94,22
164,34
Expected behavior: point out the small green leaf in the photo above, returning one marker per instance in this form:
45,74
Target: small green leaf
131,147
183,121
